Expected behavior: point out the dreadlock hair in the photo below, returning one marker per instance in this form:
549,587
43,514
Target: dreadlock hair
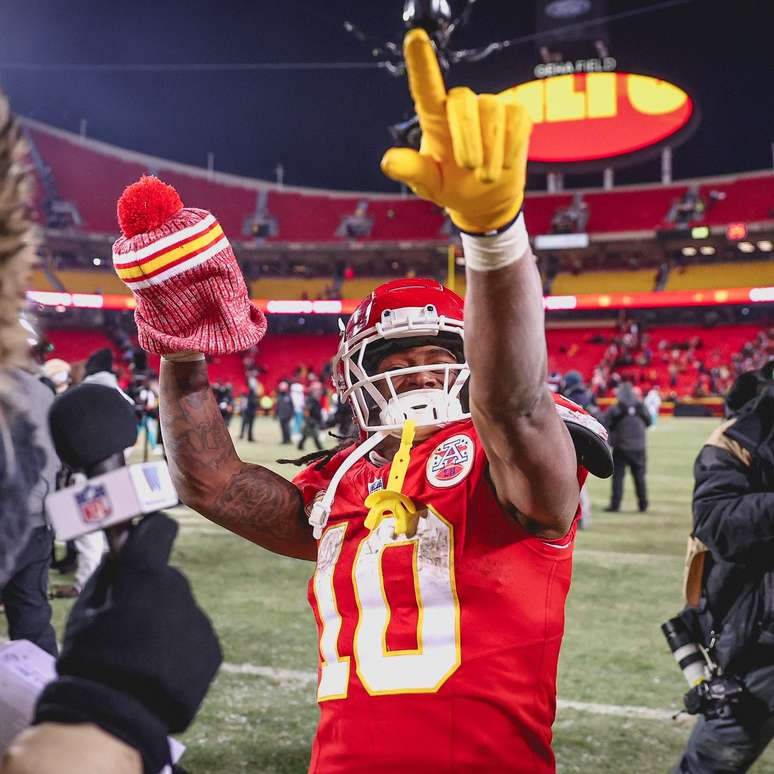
322,458
18,240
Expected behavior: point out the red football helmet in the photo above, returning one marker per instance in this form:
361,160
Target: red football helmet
397,315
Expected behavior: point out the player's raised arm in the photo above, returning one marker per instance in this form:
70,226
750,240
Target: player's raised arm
190,299
473,162
249,500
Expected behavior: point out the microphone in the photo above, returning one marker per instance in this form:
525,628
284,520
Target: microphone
91,425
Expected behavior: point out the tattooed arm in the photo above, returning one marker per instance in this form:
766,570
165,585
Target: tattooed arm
247,499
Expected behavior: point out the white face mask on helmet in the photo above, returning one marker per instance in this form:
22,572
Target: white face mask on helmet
383,328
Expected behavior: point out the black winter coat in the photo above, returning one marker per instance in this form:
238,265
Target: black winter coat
284,408
733,512
627,423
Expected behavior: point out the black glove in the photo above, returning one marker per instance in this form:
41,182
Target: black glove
138,653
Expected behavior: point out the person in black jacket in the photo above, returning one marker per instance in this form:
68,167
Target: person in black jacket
313,419
574,388
730,581
627,422
249,409
284,410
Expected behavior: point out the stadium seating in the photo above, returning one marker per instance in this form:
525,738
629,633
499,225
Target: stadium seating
717,347
578,349
744,274
85,281
92,175
39,281
603,282
694,277
73,345
289,287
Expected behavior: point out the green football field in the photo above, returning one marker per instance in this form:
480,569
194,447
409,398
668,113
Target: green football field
618,684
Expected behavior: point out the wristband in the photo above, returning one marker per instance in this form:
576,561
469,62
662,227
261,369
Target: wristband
186,356
488,253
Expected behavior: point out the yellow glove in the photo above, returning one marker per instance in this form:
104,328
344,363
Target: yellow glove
473,155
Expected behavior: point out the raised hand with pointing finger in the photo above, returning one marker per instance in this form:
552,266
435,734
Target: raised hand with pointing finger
472,159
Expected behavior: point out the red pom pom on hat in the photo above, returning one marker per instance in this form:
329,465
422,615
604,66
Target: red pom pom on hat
146,205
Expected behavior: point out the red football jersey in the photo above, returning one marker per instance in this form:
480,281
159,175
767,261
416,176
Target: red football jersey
438,653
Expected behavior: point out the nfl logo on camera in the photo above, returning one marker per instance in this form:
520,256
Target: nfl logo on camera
152,477
94,504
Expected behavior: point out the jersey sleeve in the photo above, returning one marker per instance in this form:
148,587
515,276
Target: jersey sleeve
553,548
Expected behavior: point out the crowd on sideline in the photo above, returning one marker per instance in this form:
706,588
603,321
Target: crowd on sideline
304,405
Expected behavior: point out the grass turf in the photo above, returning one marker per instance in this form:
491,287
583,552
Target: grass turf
627,579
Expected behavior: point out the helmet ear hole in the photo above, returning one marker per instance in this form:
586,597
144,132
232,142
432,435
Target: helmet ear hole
465,396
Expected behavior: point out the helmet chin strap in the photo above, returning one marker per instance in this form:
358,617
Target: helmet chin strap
428,409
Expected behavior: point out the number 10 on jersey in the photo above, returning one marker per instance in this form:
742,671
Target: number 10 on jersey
382,672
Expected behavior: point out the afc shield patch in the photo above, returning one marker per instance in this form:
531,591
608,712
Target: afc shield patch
94,504
451,461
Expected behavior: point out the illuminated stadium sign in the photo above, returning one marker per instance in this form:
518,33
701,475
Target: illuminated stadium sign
596,117
578,66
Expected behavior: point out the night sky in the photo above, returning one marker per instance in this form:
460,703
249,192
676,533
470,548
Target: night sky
328,127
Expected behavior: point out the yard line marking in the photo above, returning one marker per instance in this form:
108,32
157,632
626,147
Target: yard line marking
614,710
274,673
306,677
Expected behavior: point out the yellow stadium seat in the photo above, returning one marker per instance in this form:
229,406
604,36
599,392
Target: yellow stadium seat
290,287
39,281
84,281
567,284
745,274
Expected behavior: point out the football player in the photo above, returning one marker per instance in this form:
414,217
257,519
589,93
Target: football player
443,537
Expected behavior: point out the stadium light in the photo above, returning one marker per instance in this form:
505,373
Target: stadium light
761,294
700,232
688,251
746,247
765,246
97,261
736,231
707,250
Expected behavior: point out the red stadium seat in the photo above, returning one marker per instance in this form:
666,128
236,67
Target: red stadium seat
92,175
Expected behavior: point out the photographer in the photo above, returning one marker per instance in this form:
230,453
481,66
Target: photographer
730,582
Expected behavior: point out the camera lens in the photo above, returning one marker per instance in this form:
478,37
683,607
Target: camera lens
686,652
676,633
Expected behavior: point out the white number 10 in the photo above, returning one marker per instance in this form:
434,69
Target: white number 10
381,671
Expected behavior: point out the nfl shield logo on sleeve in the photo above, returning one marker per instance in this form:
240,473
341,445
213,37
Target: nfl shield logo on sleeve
375,485
451,461
94,504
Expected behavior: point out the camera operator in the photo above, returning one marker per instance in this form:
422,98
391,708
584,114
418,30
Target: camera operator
730,584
